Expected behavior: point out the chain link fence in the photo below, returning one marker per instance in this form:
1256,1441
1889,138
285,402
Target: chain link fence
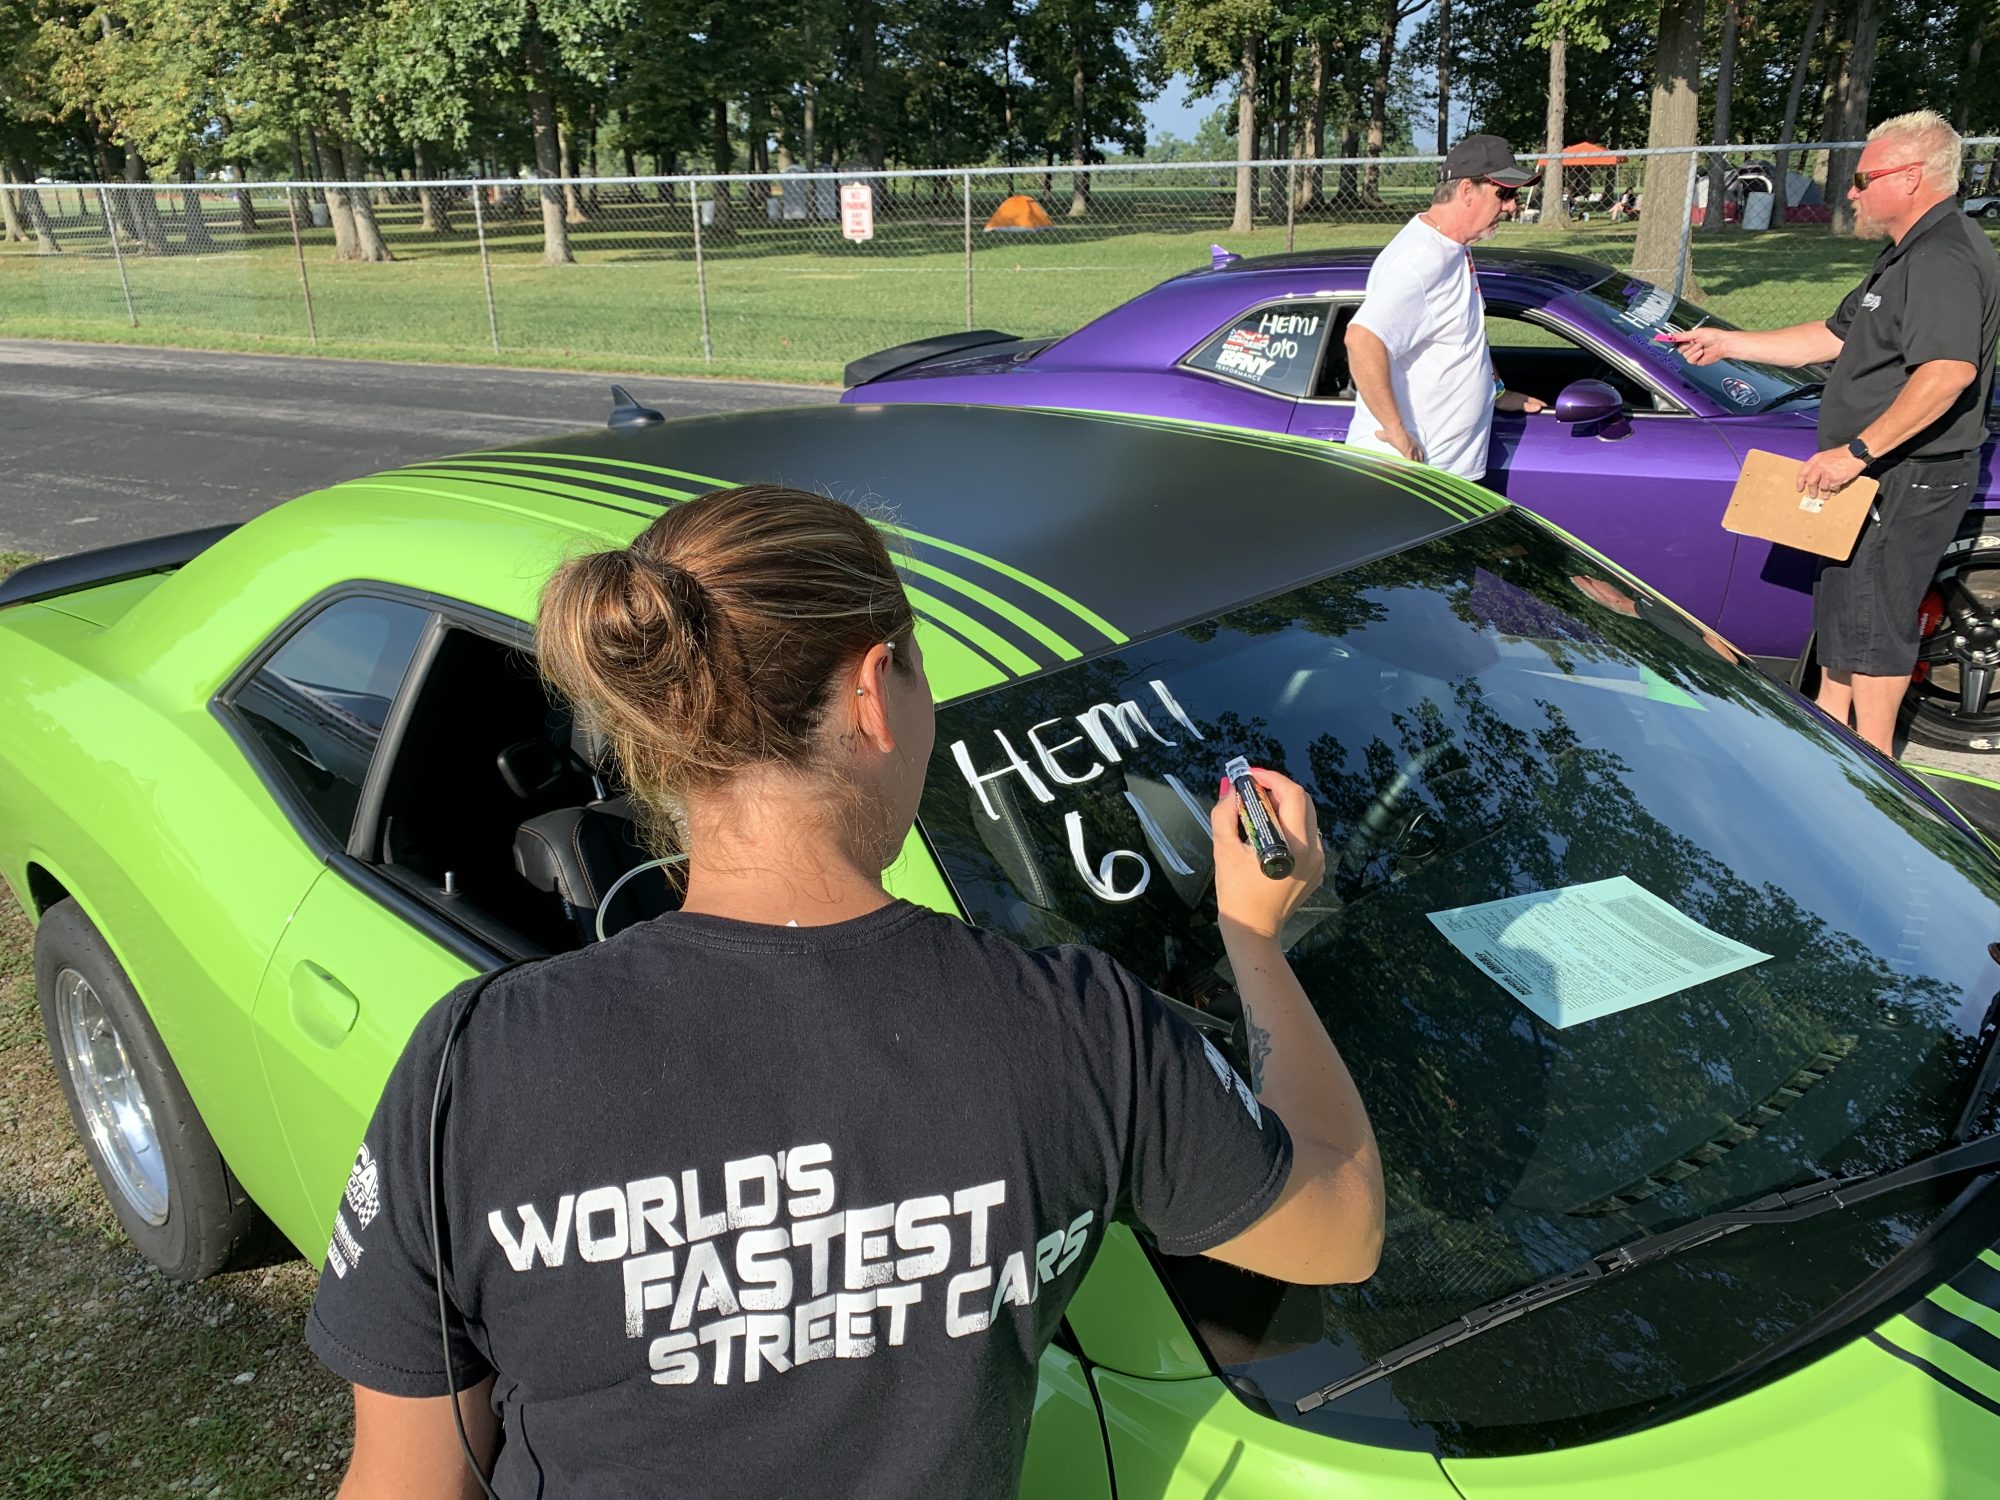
793,274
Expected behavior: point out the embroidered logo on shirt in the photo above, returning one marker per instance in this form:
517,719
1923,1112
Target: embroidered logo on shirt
1870,301
364,1187
1230,1080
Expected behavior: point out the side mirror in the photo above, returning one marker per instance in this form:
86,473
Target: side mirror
1589,401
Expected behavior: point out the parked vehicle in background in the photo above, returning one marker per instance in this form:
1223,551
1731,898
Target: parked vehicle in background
1637,453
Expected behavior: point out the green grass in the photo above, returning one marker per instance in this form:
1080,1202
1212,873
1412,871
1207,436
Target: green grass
9,561
789,301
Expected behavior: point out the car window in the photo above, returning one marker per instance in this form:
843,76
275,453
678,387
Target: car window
1537,359
1616,932
318,704
1274,347
1639,311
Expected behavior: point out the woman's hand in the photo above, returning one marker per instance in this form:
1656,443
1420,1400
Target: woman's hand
1245,897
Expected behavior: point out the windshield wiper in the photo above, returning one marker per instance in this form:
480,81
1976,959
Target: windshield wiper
1796,393
1787,1206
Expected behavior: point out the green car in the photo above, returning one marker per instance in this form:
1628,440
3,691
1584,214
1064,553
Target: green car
1675,1008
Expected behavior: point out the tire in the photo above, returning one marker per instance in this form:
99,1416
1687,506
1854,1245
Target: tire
174,1195
1991,211
1936,711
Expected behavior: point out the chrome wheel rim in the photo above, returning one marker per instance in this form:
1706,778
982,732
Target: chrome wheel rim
114,1109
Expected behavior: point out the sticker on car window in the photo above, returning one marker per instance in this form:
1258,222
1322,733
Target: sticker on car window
1587,951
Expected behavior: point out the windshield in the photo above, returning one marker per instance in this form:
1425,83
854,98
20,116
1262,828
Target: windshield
1615,933
1638,310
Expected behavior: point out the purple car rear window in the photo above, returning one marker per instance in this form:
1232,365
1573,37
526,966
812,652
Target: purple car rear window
1274,347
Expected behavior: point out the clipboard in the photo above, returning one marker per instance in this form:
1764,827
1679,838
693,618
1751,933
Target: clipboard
1767,503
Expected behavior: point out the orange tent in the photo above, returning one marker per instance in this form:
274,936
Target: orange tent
1019,214
1585,154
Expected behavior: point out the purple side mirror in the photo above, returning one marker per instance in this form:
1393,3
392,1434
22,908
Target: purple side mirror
1588,401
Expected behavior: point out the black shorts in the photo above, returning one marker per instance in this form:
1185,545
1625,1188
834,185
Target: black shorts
1865,609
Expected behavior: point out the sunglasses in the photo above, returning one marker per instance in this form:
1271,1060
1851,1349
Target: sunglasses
1862,179
1501,191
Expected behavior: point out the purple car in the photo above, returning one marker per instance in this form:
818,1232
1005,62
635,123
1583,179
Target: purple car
1637,454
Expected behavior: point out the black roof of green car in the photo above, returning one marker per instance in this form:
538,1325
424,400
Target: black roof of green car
1100,527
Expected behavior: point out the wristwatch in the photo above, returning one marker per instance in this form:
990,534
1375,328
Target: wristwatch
1860,450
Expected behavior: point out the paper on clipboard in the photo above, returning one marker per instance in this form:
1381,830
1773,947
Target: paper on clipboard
1767,503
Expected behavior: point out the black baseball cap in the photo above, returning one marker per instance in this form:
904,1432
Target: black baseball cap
1486,157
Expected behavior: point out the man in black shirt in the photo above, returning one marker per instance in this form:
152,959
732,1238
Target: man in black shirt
1912,353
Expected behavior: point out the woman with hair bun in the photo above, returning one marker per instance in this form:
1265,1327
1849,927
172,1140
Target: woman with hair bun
785,1192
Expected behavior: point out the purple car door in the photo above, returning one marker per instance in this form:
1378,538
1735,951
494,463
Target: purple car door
1646,488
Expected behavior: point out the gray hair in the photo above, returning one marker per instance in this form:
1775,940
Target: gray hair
1932,141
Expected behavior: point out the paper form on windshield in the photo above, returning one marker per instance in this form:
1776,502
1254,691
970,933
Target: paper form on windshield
1585,951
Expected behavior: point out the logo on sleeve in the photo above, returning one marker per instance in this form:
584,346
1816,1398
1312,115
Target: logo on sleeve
1230,1081
1870,301
364,1187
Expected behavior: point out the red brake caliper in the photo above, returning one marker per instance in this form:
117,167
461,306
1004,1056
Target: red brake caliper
1930,616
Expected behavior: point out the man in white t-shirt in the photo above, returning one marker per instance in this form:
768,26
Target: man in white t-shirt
1423,376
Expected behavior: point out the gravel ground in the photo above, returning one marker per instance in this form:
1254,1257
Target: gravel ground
115,1381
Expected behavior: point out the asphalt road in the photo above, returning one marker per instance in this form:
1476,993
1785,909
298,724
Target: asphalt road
104,443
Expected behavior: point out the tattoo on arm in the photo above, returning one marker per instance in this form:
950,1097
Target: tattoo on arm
1260,1049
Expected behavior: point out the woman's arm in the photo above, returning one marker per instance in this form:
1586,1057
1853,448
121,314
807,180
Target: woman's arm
1326,1225
406,1447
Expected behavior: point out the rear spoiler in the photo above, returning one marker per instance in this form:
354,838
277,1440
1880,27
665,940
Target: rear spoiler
888,361
84,570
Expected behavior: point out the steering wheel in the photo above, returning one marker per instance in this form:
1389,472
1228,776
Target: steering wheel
1375,824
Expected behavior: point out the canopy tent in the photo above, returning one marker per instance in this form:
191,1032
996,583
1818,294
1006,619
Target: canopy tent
1019,214
1584,154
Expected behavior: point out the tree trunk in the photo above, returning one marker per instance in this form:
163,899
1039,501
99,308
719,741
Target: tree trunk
435,202
1725,87
1444,76
31,201
1348,194
1788,132
867,22
194,220
1675,121
1855,79
1378,102
725,223
1966,80
1281,135
1246,136
1555,212
339,210
15,233
548,151
246,207
1079,122
566,158
1313,188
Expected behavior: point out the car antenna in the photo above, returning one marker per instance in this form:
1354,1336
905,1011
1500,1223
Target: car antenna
625,412
1219,257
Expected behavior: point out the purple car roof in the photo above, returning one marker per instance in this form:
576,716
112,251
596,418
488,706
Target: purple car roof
1152,329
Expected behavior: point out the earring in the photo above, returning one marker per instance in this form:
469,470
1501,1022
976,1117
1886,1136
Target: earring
861,692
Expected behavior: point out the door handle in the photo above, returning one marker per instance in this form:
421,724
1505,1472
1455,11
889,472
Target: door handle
322,1007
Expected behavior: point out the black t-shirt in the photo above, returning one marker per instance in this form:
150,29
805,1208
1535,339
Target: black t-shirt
1935,294
737,1209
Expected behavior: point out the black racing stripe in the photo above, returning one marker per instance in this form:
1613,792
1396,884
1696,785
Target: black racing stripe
1949,1382
579,479
1038,652
1032,602
1954,1329
487,478
606,467
1979,1282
